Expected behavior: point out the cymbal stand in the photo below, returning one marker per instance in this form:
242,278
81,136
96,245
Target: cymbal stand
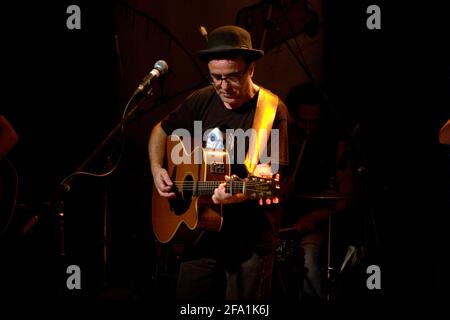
329,278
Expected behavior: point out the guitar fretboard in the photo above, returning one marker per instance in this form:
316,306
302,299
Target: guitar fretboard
206,188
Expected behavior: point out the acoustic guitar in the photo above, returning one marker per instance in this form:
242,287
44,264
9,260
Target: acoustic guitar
192,212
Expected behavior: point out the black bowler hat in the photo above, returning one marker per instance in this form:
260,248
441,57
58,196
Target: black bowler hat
230,40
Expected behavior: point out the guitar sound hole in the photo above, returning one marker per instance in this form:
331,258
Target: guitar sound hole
184,192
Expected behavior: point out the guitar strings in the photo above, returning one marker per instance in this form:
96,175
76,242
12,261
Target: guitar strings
217,182
211,189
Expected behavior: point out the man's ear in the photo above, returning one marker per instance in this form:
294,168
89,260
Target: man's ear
251,69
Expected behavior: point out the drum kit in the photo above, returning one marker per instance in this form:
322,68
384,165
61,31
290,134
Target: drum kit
288,250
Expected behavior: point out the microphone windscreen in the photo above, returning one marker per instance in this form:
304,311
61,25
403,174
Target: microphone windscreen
161,66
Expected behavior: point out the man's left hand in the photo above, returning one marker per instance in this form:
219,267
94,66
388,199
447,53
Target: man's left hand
220,195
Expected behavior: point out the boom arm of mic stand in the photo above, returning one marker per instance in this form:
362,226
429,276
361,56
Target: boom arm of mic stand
55,203
108,138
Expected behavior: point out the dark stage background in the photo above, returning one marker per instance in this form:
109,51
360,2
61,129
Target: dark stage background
64,90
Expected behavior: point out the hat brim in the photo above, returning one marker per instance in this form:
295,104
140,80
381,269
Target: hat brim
250,54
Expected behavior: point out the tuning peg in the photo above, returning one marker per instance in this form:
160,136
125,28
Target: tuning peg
268,201
275,200
261,202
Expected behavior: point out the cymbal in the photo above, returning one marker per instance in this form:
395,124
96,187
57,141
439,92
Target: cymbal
328,195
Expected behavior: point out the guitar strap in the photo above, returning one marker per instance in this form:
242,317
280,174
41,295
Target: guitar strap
266,108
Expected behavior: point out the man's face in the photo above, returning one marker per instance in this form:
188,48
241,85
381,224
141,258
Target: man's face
232,80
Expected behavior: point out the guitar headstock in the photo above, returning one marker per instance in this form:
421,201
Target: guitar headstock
264,189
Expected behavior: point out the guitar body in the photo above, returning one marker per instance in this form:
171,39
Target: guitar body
186,217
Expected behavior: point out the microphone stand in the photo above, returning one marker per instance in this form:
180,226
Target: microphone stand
55,205
113,132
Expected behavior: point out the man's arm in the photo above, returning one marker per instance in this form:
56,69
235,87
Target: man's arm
8,136
156,150
444,133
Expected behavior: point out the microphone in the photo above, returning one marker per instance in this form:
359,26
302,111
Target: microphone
159,69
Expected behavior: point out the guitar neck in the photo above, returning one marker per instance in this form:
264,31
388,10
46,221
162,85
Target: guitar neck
252,187
206,188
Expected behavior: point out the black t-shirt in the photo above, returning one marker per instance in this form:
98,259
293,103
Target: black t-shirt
246,222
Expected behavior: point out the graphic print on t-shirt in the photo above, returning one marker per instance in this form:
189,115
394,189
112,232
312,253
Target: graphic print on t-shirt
214,139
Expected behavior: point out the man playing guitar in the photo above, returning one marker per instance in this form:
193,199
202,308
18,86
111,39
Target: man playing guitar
237,261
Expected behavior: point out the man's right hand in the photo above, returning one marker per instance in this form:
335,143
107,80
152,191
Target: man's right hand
163,183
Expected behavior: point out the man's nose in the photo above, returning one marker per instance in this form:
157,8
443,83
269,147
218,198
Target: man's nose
224,84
